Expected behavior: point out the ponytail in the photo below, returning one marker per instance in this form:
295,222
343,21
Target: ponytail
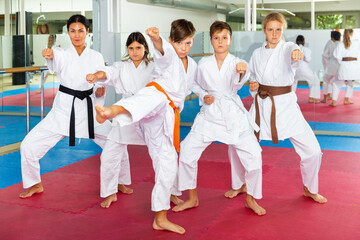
346,38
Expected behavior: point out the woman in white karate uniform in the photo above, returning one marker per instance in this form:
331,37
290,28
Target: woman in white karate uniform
127,77
72,112
330,64
304,72
275,108
346,54
156,108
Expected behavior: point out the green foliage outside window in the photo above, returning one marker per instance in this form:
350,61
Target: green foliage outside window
330,21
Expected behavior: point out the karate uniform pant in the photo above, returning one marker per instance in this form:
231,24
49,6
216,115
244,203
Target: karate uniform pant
151,109
164,159
308,148
337,85
245,158
313,81
35,145
328,80
114,168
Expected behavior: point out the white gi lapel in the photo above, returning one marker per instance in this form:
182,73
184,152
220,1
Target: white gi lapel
270,66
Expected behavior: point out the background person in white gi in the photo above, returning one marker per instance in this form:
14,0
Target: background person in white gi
275,109
127,78
331,65
156,108
71,66
222,118
304,72
346,54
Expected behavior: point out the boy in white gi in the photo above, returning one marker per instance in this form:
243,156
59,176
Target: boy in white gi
127,77
275,109
156,108
330,65
72,111
346,53
222,118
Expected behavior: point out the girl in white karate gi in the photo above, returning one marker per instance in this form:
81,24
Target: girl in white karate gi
330,64
304,72
156,108
127,78
346,54
224,118
275,109
72,107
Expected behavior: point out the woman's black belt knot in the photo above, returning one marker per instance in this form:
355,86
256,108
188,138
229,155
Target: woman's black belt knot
81,95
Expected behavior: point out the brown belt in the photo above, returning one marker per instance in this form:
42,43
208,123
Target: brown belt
264,92
346,59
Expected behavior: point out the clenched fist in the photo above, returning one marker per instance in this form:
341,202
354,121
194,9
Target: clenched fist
241,67
253,86
91,78
208,99
153,33
100,92
48,53
296,55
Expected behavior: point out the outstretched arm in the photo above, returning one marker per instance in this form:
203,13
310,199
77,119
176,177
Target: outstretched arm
92,78
154,35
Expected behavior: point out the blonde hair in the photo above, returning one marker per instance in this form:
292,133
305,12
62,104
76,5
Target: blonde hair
346,38
274,16
51,40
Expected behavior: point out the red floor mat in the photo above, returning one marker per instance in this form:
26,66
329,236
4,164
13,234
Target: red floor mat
20,99
69,207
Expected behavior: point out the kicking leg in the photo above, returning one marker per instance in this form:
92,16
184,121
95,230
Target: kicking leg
104,113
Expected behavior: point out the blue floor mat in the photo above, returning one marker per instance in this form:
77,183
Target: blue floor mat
59,156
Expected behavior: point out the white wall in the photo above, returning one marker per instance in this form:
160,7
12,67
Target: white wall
6,51
139,17
49,5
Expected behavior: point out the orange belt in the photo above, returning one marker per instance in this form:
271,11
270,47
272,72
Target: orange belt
176,112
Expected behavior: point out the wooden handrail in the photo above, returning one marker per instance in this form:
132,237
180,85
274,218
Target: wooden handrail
42,68
22,69
201,54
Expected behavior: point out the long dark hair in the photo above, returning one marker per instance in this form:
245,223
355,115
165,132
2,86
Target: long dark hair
138,37
346,38
78,18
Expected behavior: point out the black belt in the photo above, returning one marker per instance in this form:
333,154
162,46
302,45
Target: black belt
81,95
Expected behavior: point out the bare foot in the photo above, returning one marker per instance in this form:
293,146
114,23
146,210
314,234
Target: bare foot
252,204
233,193
102,113
176,200
313,100
316,197
162,223
123,189
108,200
186,205
37,188
346,102
324,100
332,104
